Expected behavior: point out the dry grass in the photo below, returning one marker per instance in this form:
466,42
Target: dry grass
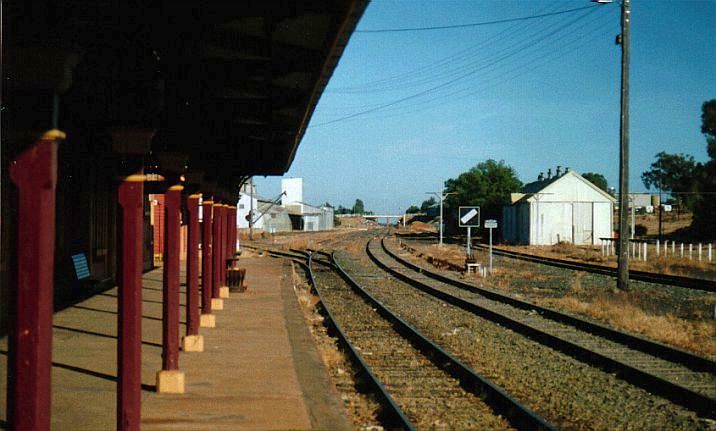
671,222
672,265
619,310
576,285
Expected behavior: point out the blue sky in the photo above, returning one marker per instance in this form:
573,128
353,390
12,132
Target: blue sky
535,93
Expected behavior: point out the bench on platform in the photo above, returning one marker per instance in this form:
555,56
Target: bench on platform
82,270
78,283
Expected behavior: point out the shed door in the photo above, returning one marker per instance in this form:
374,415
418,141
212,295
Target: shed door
582,223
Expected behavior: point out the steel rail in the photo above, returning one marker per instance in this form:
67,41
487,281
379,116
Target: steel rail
395,415
650,277
670,353
645,276
679,395
519,415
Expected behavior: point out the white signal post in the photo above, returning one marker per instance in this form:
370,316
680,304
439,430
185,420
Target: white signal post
490,224
469,218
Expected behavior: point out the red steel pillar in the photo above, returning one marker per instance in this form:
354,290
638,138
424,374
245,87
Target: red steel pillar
206,265
232,231
192,267
192,342
129,319
216,264
224,249
170,379
35,174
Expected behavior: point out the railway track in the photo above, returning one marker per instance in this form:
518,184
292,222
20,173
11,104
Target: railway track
683,378
413,374
420,385
645,276
626,407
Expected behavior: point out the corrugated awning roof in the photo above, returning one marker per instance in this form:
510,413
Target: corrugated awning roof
229,86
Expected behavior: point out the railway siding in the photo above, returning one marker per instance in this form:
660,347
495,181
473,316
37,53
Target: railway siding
695,389
567,392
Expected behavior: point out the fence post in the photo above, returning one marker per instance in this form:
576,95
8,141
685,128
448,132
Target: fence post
691,251
699,252
682,250
646,246
657,248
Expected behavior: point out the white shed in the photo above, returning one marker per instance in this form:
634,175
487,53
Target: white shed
563,208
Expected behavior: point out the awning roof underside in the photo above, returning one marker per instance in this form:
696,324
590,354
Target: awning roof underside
230,85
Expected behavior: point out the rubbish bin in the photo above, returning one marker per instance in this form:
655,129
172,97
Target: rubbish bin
235,275
233,279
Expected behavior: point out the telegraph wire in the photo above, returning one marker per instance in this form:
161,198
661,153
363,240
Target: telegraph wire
520,69
452,81
460,55
477,63
509,74
542,47
475,24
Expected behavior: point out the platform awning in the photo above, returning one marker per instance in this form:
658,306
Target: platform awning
228,85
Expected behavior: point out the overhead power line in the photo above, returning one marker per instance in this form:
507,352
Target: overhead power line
438,67
470,72
475,24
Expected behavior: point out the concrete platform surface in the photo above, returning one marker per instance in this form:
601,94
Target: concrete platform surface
259,369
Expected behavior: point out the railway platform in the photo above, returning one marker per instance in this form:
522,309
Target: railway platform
259,368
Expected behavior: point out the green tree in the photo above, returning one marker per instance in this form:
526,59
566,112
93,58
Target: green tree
428,203
597,179
705,204
488,184
412,209
673,173
358,207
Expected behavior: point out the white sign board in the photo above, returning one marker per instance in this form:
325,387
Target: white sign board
469,216
490,224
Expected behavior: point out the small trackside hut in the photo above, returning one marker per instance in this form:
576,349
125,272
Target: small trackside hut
565,207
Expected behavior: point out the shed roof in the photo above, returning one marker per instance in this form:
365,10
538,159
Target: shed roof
529,190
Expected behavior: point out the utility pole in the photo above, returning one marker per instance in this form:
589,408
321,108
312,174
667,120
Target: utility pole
251,208
623,263
442,198
441,195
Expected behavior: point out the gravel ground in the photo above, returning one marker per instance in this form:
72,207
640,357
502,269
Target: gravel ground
565,391
550,286
703,382
432,399
362,409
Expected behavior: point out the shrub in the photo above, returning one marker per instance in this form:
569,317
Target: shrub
640,230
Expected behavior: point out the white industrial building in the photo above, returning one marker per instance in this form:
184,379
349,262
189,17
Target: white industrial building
565,207
304,216
267,214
